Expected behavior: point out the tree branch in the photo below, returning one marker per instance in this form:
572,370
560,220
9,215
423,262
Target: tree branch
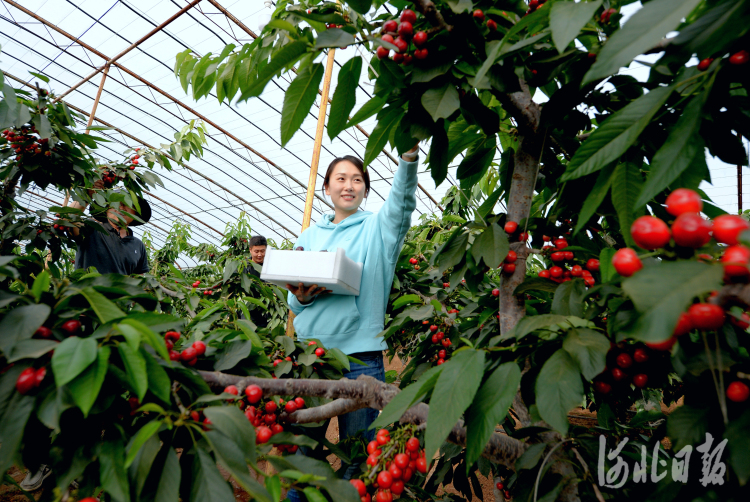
428,10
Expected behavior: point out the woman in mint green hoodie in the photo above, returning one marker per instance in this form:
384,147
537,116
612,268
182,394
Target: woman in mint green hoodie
352,323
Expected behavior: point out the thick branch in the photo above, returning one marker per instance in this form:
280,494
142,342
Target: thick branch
521,106
428,10
364,392
733,294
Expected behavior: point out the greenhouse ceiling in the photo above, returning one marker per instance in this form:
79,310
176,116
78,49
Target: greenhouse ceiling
244,167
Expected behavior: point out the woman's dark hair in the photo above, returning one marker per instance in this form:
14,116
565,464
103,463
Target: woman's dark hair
357,163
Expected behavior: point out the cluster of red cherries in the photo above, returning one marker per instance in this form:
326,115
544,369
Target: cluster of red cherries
188,355
438,338
404,34
560,257
740,57
629,364
134,159
391,462
534,5
24,141
32,378
691,231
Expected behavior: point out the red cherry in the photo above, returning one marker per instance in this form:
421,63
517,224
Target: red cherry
373,447
290,407
684,325
706,316
382,52
413,261
398,58
446,343
511,257
409,16
478,15
200,347
705,63
593,264
422,465
401,44
556,272
600,387
382,437
735,260
320,352
71,327
401,460
174,355
617,374
277,428
691,230
420,38
545,274
421,54
390,26
433,328
495,292
576,271
299,402
650,232
624,361
743,323
387,38
269,418
640,355
684,200
435,339
626,262
739,58
560,243
360,486
738,392
640,380
728,227
271,407
172,335
557,256
26,381
441,354
662,346
263,434
188,354
492,25
405,30
397,487
407,59
44,332
231,389
412,444
253,393
511,227
384,495
446,285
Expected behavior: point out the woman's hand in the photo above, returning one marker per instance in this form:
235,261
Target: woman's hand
306,294
411,155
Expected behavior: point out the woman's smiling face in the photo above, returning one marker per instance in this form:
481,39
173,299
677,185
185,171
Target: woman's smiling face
346,187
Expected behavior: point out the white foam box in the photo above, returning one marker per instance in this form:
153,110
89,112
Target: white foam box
334,271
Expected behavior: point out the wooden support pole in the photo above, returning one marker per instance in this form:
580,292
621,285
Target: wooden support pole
96,100
307,216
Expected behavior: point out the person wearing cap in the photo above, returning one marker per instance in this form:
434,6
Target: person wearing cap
118,251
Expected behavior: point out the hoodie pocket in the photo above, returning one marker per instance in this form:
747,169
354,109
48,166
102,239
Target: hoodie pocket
328,315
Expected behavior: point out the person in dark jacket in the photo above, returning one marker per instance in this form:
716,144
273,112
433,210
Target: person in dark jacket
258,245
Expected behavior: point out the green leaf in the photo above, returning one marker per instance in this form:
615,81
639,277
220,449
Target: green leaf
596,196
143,435
491,246
589,349
41,77
85,387
643,31
298,100
231,422
626,185
334,37
112,474
233,353
12,427
286,57
678,151
605,264
407,397
531,457
71,357
478,158
420,74
567,19
439,155
105,309
361,6
707,35
405,300
143,464
41,285
441,102
207,483
147,335
489,204
454,392
452,251
135,368
738,442
662,291
19,325
313,495
369,109
489,407
387,119
230,456
687,425
345,96
558,390
530,324
568,299
609,141
169,481
340,357
536,284
159,382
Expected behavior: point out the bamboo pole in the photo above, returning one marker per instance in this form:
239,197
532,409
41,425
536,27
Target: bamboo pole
307,216
96,100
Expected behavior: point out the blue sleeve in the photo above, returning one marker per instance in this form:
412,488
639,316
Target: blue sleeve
394,218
